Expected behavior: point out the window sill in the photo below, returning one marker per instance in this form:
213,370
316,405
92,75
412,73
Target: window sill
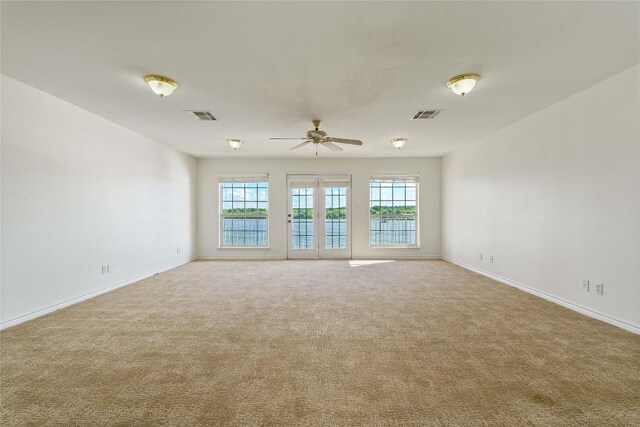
244,247
394,247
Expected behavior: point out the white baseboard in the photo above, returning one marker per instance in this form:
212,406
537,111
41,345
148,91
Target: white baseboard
237,258
41,312
564,303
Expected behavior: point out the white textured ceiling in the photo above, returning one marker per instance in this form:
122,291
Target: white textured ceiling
269,68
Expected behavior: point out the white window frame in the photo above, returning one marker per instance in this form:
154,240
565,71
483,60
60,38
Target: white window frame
242,178
396,176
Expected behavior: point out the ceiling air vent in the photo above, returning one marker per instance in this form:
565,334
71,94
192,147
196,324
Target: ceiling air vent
426,114
201,115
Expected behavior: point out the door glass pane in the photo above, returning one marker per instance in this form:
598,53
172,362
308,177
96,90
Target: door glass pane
302,218
335,229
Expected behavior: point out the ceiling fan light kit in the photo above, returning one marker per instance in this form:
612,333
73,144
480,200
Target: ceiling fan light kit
463,83
161,85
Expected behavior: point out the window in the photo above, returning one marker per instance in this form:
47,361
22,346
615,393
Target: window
244,211
393,210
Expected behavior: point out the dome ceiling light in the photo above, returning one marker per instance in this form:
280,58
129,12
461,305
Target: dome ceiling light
235,143
399,142
463,84
161,85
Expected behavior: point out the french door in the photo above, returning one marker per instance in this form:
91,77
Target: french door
319,216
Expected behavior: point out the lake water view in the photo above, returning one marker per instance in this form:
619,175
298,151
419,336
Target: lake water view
383,232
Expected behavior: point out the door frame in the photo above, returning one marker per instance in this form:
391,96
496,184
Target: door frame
319,251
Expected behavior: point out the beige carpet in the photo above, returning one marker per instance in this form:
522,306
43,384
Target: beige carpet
301,343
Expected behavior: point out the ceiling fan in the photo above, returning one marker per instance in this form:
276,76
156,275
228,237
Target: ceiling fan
319,137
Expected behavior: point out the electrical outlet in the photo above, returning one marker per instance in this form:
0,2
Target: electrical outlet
177,250
481,256
599,288
491,259
585,285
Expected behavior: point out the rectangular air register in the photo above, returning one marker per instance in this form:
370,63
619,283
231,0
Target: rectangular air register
201,115
426,114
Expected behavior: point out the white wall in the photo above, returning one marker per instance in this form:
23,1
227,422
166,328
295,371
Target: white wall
360,169
79,192
555,199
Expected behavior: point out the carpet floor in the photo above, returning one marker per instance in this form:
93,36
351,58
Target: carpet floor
299,343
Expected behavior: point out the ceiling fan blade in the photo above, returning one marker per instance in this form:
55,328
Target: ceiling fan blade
345,141
299,145
287,138
331,146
